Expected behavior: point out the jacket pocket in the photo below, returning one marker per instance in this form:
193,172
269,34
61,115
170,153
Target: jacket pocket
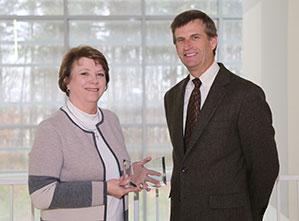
228,200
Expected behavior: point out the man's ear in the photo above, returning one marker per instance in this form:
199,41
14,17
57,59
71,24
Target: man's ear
213,42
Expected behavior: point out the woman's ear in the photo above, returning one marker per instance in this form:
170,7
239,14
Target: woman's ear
66,81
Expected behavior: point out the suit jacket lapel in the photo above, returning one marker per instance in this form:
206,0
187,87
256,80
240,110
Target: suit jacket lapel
215,96
177,117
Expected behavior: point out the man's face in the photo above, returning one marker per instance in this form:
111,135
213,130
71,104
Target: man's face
194,47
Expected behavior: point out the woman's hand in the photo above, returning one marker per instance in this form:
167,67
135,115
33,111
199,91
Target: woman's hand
141,175
119,187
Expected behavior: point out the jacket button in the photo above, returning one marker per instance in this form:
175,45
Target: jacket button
183,170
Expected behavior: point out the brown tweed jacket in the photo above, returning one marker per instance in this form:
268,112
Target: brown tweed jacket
229,170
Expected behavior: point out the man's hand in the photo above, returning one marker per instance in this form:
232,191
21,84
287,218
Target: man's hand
141,175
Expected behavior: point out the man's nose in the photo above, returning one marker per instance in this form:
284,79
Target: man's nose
187,44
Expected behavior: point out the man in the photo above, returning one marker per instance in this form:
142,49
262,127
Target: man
224,152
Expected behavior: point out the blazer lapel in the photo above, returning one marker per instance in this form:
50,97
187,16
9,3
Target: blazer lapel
177,117
215,96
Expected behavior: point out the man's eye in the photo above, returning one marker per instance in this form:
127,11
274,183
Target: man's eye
179,40
196,37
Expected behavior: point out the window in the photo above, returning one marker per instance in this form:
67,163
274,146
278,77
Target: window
135,37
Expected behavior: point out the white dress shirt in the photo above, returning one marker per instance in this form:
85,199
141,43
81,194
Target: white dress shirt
207,79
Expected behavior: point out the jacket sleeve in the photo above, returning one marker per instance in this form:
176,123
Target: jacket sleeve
259,147
45,188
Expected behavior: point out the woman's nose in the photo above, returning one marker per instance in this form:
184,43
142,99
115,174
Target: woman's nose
93,78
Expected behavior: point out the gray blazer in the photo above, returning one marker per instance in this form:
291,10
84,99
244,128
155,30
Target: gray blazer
229,170
67,178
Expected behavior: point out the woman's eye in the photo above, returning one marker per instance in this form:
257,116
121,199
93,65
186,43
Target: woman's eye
101,74
83,73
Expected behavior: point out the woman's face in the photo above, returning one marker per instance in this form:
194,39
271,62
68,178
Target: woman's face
87,83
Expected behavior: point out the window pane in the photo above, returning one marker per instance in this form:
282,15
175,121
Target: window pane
161,69
26,113
16,161
173,7
39,42
25,53
124,94
12,138
232,45
160,49
104,7
157,140
159,79
30,54
232,8
123,52
29,84
162,202
133,138
21,203
116,33
31,7
4,205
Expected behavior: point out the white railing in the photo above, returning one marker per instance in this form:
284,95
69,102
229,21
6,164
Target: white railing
13,180
280,180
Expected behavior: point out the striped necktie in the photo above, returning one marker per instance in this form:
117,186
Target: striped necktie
193,112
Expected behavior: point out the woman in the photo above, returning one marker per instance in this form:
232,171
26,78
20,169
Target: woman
76,160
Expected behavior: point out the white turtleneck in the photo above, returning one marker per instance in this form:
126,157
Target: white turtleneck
88,122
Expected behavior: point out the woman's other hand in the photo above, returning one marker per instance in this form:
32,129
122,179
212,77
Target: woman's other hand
120,187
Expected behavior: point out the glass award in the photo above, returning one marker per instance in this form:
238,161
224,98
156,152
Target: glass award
158,165
136,171
128,171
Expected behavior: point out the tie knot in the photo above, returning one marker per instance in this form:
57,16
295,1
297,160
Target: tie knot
196,82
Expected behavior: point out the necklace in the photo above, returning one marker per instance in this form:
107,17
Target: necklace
86,121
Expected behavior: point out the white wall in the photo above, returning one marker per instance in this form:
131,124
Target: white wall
293,100
265,61
270,58
293,86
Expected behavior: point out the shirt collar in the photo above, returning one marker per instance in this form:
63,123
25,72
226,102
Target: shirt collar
209,75
90,119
